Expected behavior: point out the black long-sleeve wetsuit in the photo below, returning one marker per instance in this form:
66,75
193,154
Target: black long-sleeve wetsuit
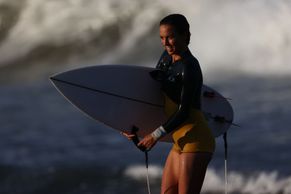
181,82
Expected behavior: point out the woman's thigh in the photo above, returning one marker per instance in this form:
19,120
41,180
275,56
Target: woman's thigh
171,174
192,171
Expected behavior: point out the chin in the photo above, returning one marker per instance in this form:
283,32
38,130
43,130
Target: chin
170,52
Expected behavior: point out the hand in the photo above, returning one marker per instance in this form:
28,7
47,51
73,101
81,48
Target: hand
128,135
148,142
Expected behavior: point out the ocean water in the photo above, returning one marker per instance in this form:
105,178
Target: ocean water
48,147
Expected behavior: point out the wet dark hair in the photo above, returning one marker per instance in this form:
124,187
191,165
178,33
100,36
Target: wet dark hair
179,22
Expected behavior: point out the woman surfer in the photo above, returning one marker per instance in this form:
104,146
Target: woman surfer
180,74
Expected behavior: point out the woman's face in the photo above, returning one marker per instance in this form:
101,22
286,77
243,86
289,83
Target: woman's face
173,42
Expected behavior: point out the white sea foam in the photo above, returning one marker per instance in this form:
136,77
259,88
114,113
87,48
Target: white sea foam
259,183
138,172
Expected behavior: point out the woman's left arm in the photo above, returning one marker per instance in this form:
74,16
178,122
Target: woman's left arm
188,87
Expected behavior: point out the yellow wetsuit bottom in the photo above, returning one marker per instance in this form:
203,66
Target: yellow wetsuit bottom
193,135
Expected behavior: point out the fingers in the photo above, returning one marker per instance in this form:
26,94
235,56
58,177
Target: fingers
127,135
148,142
142,143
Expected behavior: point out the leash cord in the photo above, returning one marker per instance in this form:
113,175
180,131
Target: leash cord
225,163
135,140
147,167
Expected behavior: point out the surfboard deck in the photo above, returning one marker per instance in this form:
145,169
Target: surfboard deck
122,96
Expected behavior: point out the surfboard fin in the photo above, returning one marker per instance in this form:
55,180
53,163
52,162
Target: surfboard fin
219,119
211,94
222,119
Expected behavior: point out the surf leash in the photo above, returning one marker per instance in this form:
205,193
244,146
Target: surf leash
222,119
225,163
135,140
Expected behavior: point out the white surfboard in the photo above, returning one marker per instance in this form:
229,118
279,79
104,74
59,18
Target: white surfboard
122,96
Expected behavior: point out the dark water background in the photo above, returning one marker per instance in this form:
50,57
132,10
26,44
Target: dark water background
48,147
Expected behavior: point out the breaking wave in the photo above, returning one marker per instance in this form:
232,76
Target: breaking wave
39,37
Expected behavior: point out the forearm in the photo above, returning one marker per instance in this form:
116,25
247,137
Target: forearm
172,123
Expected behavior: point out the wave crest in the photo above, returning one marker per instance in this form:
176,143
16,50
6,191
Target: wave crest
250,37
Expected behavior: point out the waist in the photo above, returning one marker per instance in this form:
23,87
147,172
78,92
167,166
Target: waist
171,107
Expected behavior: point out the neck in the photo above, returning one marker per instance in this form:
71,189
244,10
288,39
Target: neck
178,56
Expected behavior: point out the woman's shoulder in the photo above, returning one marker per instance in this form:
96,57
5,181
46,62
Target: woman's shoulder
190,59
192,66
